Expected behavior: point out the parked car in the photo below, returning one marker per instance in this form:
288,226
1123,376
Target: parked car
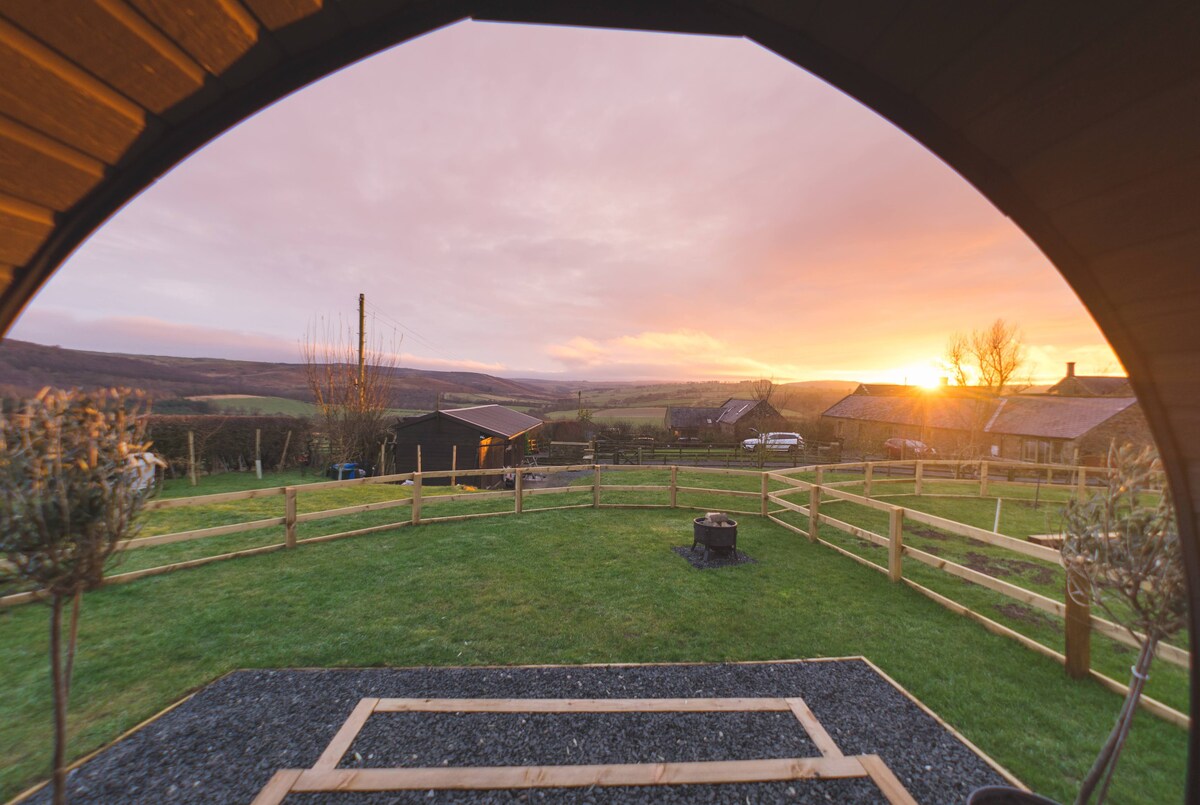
907,448
774,441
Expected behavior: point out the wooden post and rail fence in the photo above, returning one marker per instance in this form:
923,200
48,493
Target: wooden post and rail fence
1079,622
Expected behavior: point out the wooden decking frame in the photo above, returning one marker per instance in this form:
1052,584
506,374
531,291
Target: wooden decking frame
324,776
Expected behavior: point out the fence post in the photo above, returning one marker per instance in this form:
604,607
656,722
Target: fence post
895,543
674,486
595,486
289,516
983,479
192,457
919,477
766,490
867,474
1079,636
416,497
1082,491
258,452
814,512
639,455
518,488
820,475
453,465
418,461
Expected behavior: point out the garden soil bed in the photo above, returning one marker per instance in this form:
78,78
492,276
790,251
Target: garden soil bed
223,744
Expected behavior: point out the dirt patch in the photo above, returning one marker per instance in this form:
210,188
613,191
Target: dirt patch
941,536
1024,614
1008,567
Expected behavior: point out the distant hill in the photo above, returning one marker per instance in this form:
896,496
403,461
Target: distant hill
26,367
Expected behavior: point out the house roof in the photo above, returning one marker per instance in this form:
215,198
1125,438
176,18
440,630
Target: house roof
494,419
734,409
1055,417
1092,386
1046,417
728,413
692,417
925,410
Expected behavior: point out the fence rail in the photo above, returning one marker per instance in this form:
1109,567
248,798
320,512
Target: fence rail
772,504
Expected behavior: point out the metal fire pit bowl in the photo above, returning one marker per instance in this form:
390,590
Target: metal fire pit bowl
716,539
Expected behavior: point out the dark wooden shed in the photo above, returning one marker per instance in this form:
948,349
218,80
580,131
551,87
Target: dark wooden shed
480,437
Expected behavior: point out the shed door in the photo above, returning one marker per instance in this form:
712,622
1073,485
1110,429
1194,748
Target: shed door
491,452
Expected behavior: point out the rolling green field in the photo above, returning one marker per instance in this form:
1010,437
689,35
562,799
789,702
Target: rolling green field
276,405
635,416
540,588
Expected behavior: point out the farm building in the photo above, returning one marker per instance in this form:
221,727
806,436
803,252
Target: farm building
479,437
1074,385
1052,428
734,418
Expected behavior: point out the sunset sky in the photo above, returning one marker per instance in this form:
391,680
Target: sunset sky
532,201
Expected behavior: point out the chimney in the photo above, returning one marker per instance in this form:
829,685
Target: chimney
1070,368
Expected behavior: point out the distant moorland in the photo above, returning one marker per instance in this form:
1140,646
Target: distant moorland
252,387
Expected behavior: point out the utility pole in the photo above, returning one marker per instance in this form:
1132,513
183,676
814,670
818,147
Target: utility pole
362,339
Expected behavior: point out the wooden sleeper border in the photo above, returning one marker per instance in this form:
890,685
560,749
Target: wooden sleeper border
324,776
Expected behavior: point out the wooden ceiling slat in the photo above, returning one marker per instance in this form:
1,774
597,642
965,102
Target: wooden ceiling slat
278,13
1166,321
299,24
1170,119
851,27
26,136
1098,81
30,174
114,43
20,237
1026,43
216,33
41,98
19,208
1149,270
1163,205
82,81
928,34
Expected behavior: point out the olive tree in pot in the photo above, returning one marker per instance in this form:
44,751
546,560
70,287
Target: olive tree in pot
1122,553
72,483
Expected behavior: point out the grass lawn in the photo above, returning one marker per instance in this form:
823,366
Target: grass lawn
544,588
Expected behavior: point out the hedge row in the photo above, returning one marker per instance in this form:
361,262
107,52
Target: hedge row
227,442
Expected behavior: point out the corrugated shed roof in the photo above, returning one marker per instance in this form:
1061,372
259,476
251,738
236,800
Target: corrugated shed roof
1047,417
495,419
1056,417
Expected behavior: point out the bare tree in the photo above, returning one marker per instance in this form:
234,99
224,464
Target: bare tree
71,487
1122,553
763,389
352,399
989,358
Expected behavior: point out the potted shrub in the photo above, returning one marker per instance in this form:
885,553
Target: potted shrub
1122,553
72,483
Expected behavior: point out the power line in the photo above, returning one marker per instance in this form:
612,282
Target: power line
420,339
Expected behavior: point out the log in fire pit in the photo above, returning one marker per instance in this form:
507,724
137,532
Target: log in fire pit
717,533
